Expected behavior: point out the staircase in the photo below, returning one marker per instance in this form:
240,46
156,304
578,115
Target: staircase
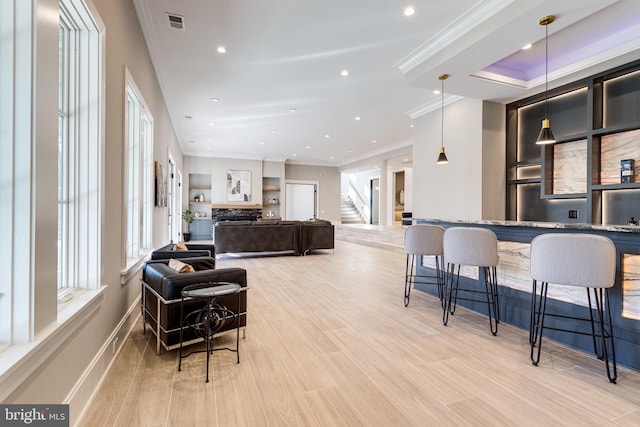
348,212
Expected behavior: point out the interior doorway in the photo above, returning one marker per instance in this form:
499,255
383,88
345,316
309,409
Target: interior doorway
301,201
174,198
399,196
374,207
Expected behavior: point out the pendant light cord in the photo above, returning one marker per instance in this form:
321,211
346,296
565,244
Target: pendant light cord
442,114
546,68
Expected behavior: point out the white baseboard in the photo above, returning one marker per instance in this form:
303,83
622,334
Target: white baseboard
82,394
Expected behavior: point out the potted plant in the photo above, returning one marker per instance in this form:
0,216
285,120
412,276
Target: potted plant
188,219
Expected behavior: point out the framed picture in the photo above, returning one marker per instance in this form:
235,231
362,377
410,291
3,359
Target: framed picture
238,186
160,186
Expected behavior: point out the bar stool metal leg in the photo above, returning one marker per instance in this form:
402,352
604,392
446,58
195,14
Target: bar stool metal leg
408,279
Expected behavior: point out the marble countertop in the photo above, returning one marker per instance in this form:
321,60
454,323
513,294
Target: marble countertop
533,224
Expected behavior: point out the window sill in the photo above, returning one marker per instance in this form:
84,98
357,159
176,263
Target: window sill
132,268
19,361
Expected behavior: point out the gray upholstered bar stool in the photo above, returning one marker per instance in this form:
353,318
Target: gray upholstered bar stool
423,240
477,247
584,260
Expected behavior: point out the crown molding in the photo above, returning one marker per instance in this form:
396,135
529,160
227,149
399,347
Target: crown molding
424,109
466,22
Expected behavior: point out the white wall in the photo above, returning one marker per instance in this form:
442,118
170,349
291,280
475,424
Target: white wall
217,168
494,178
408,189
471,185
273,169
72,372
328,179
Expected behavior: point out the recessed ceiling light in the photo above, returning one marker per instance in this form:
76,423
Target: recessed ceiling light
210,139
221,49
527,46
344,73
436,92
357,117
348,151
411,125
215,99
405,160
261,143
409,11
373,141
307,147
211,124
330,157
327,136
294,154
293,110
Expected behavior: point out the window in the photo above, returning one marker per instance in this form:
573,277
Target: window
79,153
139,176
32,205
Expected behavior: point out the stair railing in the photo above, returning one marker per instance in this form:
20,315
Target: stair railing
361,205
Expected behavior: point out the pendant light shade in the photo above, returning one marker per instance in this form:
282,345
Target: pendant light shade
442,158
546,136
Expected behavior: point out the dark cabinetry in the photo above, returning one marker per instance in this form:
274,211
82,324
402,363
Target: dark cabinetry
596,122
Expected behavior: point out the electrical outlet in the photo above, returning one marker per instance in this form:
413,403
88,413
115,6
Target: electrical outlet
573,214
114,345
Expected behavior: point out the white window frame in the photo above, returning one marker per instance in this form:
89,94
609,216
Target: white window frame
32,324
139,173
80,152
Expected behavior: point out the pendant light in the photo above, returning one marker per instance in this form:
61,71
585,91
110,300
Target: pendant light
546,136
442,158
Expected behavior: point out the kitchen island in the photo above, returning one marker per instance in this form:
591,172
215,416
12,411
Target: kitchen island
514,239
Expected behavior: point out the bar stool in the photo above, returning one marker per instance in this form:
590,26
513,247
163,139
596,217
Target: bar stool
584,260
210,319
478,247
423,240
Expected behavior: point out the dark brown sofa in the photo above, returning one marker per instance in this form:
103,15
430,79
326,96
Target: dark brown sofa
161,295
317,234
298,237
257,236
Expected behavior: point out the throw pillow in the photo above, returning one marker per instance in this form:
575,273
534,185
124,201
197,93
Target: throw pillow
180,266
180,246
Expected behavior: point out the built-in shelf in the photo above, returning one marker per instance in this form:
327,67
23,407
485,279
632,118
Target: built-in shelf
597,125
200,187
627,186
564,196
271,197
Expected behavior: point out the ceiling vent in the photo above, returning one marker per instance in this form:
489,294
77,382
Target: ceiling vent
176,21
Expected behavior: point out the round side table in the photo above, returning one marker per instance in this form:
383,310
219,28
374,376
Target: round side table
210,319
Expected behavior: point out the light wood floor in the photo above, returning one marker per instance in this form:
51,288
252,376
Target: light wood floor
330,343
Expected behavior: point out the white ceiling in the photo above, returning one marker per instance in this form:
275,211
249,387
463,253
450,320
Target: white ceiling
288,54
